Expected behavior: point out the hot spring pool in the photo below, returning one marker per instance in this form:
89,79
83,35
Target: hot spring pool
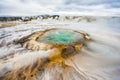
60,37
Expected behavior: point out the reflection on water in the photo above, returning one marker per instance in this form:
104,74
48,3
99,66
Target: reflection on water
97,60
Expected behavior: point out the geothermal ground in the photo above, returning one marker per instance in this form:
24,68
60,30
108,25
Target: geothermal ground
98,59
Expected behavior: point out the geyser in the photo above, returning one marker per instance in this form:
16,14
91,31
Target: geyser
62,44
65,42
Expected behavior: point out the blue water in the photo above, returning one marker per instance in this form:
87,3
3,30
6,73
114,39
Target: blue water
60,36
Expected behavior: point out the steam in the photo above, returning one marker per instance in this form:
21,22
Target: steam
98,59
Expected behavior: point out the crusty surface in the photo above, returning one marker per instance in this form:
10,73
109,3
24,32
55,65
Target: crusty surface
30,41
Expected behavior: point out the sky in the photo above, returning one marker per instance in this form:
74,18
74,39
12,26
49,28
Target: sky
62,7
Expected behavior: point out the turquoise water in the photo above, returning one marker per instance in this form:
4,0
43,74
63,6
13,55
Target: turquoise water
62,37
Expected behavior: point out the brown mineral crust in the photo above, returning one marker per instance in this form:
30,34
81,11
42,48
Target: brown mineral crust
30,41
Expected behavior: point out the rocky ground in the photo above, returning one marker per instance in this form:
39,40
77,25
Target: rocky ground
98,60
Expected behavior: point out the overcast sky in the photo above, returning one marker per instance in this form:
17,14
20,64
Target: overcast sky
65,7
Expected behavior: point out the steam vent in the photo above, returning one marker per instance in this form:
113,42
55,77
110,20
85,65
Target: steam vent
61,44
66,41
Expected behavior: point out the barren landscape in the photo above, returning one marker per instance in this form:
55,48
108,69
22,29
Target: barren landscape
98,59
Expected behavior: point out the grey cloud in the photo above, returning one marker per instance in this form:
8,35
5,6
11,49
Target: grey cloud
89,2
12,7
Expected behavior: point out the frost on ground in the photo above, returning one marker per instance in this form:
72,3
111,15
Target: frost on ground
98,60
